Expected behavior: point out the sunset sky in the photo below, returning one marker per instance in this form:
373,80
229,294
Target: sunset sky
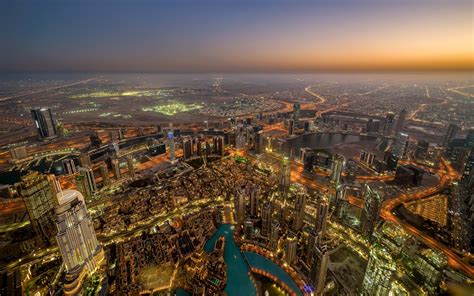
236,36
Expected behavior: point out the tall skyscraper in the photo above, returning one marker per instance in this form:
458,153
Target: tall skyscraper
86,181
220,146
85,160
45,124
77,242
130,166
450,134
296,112
388,124
266,218
421,151
187,148
290,248
274,236
284,176
401,145
104,173
254,200
69,167
401,121
319,268
240,205
291,127
340,201
38,194
371,210
116,168
379,271
322,217
299,214
171,145
337,168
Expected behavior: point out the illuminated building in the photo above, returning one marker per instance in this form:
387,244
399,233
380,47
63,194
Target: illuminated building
337,167
45,124
131,168
421,151
254,200
379,272
340,201
401,121
116,168
321,217
370,212
86,181
388,124
77,242
38,194
408,175
248,229
240,206
187,148
367,157
19,154
171,145
266,218
314,239
291,127
114,148
274,235
299,212
290,248
450,134
401,145
296,112
220,145
468,167
284,176
69,167
85,160
104,173
319,268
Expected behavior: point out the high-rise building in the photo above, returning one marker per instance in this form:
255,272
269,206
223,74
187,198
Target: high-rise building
296,112
240,206
266,218
120,134
254,200
104,173
116,168
77,242
337,167
421,151
18,154
69,167
371,210
388,123
450,134
468,167
299,214
248,229
86,181
274,235
171,145
45,124
85,160
220,146
187,148
291,127
322,217
319,268
313,240
401,121
38,194
290,248
284,176
401,145
379,272
130,166
340,201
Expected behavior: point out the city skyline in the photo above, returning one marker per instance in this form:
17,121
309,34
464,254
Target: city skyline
241,36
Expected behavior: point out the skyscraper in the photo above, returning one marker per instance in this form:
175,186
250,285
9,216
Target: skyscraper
450,134
77,242
401,145
290,248
187,148
45,124
220,146
69,167
298,217
38,195
171,145
254,200
296,112
401,121
85,160
422,149
388,124
284,176
266,218
337,167
379,271
104,173
371,210
86,181
130,166
319,268
291,127
321,217
116,168
274,235
240,205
